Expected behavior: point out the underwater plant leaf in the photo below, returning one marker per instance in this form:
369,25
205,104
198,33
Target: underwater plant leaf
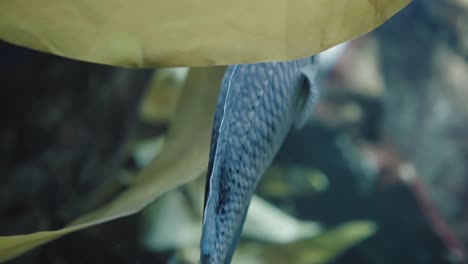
160,102
285,181
317,250
182,159
268,223
148,33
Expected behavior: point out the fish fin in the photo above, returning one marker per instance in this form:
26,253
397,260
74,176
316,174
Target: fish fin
219,115
207,246
237,237
308,96
207,243
213,146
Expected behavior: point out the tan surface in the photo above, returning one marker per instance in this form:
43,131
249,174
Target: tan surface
149,33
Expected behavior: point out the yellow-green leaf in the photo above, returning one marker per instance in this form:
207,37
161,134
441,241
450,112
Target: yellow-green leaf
316,250
160,101
183,158
142,33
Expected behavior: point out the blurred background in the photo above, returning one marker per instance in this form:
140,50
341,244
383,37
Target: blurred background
378,175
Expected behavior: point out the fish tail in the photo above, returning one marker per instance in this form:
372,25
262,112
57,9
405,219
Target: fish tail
207,244
207,247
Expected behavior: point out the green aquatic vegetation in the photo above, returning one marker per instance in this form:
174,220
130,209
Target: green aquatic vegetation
148,33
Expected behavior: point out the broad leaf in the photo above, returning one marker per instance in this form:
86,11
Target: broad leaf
147,33
316,250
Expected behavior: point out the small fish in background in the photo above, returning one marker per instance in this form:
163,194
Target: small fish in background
257,106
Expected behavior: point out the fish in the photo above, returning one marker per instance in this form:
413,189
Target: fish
257,106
